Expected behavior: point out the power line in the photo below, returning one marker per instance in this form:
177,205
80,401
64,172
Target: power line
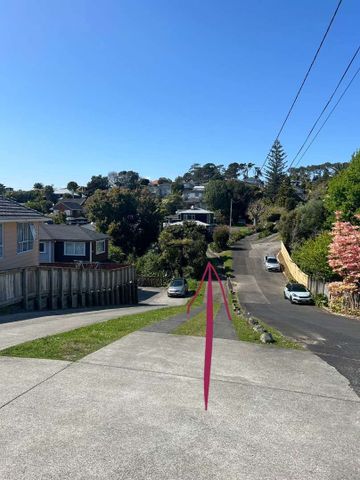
325,106
305,78
327,118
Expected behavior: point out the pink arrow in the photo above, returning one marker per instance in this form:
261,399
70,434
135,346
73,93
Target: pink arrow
209,323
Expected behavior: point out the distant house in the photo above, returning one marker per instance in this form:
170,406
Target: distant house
200,216
71,243
160,189
60,192
19,235
73,209
193,195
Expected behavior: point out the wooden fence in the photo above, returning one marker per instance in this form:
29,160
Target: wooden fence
58,288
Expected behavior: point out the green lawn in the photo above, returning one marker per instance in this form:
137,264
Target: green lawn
82,341
227,260
193,285
195,326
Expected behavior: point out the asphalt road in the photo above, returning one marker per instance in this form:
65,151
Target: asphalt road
336,339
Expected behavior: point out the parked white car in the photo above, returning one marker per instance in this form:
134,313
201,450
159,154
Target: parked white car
272,264
297,293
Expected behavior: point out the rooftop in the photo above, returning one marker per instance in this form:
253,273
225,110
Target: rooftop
76,233
12,210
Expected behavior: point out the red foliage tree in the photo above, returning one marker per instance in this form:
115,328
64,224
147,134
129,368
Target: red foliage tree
344,251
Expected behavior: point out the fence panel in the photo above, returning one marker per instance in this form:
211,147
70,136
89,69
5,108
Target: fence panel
53,287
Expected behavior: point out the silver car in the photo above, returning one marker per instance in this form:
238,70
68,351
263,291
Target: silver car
297,293
272,264
178,288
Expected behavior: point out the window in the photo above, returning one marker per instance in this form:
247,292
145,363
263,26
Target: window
25,237
1,241
100,247
76,249
42,247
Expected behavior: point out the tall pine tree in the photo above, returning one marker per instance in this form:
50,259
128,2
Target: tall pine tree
275,170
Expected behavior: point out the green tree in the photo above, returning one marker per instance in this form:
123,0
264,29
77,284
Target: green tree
221,237
72,187
59,218
275,171
49,193
312,256
302,223
126,179
232,171
344,190
38,186
170,204
2,189
286,196
132,220
183,249
217,196
97,182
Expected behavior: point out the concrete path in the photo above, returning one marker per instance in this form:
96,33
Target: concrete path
22,327
134,410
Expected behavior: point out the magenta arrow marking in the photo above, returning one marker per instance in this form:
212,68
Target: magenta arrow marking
209,323
209,338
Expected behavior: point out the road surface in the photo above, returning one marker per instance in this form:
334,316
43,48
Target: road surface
335,338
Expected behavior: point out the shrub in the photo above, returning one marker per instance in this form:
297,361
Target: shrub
221,237
321,300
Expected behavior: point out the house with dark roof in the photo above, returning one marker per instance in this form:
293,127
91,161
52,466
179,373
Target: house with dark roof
200,216
73,209
72,243
19,235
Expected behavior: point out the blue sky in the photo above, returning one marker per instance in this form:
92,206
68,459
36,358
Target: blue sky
87,87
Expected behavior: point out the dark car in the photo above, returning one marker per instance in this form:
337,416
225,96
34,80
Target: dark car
178,288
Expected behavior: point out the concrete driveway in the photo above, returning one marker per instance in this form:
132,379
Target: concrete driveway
335,338
21,327
134,410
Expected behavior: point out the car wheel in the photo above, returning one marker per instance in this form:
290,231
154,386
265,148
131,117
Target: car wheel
291,300
285,296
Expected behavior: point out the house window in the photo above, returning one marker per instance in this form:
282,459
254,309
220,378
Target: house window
1,241
74,249
42,247
25,237
100,247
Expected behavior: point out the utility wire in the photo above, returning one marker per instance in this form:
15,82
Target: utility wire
327,118
305,78
325,106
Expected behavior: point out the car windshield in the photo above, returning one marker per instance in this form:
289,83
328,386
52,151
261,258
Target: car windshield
298,288
271,260
177,283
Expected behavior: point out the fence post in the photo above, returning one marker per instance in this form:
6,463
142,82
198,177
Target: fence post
38,288
25,291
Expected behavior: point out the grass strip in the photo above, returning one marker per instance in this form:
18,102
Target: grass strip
195,326
78,343
193,285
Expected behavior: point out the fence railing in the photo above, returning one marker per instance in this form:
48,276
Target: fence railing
58,288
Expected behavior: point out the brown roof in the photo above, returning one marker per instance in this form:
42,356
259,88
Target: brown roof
12,210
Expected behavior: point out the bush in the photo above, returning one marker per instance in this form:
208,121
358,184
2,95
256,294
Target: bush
321,300
149,264
116,254
221,237
312,256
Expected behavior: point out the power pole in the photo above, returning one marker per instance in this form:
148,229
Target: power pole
231,202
